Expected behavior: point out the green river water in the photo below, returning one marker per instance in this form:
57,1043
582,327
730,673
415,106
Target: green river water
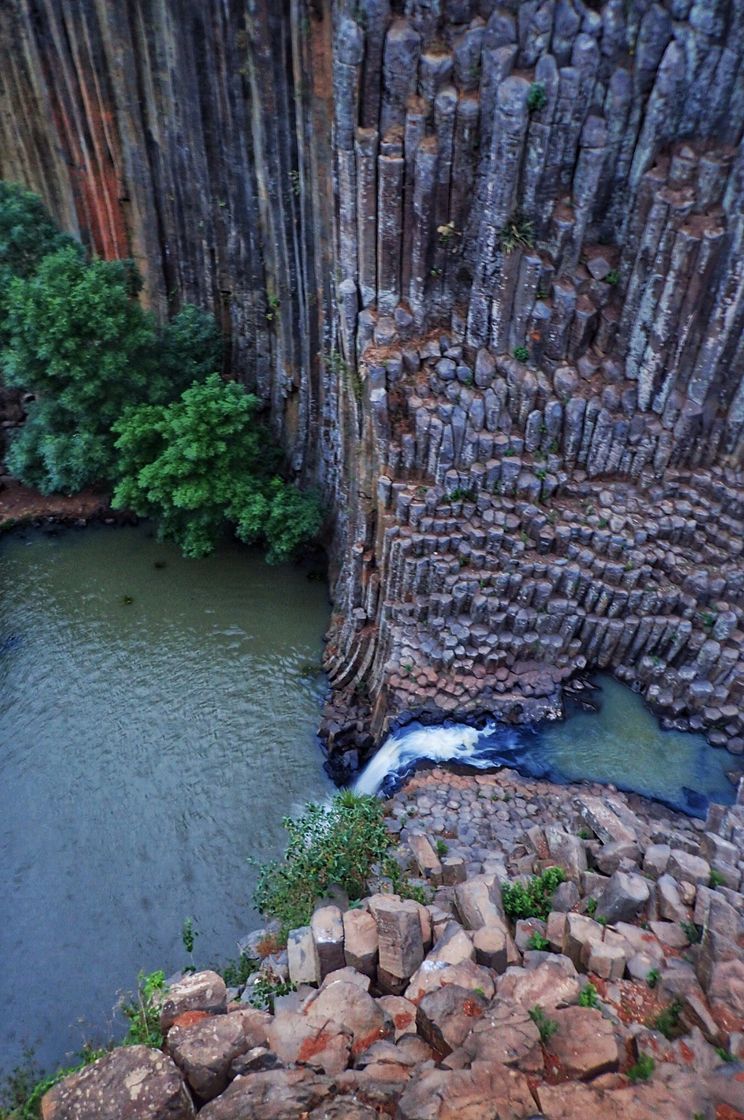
147,750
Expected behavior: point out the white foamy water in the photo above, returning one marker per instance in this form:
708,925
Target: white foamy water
456,743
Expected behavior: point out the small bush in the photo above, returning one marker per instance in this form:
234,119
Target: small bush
667,1021
329,845
653,977
235,973
693,932
441,847
537,98
716,878
521,353
588,996
643,1068
591,907
547,1027
267,988
143,1011
539,942
532,900
612,278
516,234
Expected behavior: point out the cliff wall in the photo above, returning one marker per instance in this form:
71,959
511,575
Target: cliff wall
485,263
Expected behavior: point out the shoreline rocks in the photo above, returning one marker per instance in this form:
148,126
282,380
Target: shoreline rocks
463,1008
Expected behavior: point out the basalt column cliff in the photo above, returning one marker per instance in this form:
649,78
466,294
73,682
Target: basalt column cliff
486,263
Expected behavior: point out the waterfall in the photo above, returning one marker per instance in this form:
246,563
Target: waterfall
457,742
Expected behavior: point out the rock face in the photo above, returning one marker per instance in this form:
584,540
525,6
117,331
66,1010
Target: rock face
484,263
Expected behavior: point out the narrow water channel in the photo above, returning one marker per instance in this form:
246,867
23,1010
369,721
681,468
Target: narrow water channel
157,721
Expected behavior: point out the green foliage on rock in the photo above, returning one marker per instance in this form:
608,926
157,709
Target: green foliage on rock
329,845
533,899
547,1027
143,1011
206,459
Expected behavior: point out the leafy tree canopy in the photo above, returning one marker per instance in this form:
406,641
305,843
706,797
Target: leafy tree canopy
203,460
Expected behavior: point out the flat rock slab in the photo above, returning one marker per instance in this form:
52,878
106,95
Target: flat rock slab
481,1093
604,822
130,1083
585,1043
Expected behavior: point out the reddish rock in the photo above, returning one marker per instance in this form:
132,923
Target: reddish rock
200,991
446,1017
280,1094
206,1050
505,1035
323,1045
585,1043
484,1092
345,1002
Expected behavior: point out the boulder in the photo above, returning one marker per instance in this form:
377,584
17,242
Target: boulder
322,1044
454,870
656,859
345,1002
585,1043
726,988
199,991
676,1098
606,961
453,946
623,898
579,933
401,941
478,902
553,983
612,855
427,859
279,1094
401,1011
604,822
490,945
205,1051
132,1082
436,974
669,901
328,934
505,1034
361,944
302,957
687,868
446,1017
481,1093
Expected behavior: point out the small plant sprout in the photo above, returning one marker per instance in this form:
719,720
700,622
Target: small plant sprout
518,233
188,937
521,353
547,1027
652,977
539,942
612,278
643,1068
588,996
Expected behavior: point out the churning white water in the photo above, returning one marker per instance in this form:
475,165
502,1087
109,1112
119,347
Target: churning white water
454,743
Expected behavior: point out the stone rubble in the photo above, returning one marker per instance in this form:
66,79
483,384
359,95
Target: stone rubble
459,1011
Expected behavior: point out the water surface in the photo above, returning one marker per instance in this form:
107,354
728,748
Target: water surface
157,720
621,744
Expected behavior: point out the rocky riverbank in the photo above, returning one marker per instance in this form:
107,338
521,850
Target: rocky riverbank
613,987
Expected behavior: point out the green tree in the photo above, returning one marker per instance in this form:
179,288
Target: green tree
27,234
206,459
81,343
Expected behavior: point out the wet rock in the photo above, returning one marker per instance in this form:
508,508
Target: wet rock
623,898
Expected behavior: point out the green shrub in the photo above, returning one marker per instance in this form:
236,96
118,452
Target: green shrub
267,988
693,932
335,844
591,907
521,353
612,278
643,1068
539,942
547,1027
537,98
668,1020
532,900
441,847
588,996
716,878
518,233
236,973
143,1011
205,460
652,977
77,338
